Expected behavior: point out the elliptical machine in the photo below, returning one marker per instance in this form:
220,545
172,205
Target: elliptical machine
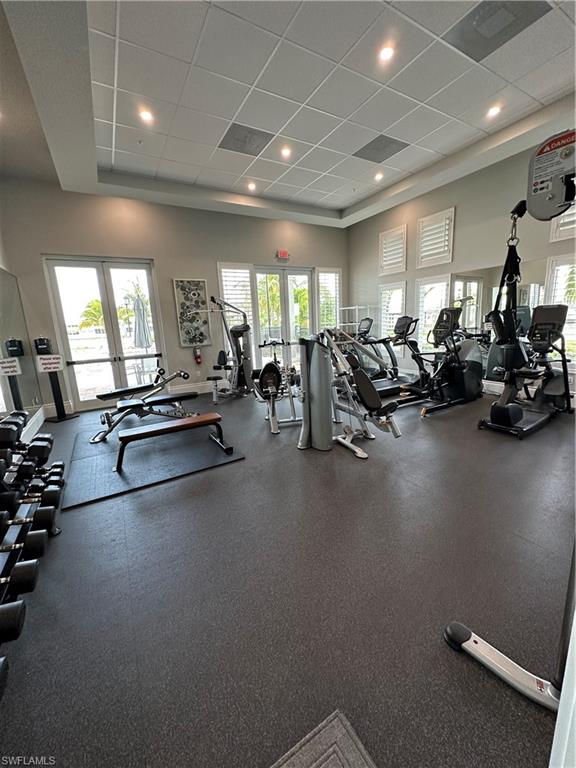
451,374
236,364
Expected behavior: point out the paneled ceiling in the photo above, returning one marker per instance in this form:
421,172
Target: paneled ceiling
319,103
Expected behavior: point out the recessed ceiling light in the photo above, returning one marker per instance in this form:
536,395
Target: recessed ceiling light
379,176
493,111
146,116
286,152
252,186
386,53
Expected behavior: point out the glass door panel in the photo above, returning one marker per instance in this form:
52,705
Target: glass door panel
270,313
135,325
470,290
86,328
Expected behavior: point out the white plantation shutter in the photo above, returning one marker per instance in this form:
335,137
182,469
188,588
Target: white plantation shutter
236,289
564,226
431,296
435,235
561,289
392,250
329,298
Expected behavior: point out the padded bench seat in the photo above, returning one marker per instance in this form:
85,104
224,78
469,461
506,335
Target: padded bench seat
127,436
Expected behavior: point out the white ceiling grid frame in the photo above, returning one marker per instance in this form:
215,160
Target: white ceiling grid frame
433,37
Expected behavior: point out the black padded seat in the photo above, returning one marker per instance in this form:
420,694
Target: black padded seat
213,378
367,392
116,393
128,405
270,381
528,373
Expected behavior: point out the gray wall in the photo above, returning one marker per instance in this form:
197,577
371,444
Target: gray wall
482,201
39,218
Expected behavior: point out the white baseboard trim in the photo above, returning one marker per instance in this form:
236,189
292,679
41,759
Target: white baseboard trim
33,425
50,408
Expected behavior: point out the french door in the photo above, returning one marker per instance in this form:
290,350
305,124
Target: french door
469,289
108,325
285,305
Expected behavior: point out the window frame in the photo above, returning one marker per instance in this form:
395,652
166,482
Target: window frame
326,270
432,219
556,235
402,284
446,278
552,263
382,269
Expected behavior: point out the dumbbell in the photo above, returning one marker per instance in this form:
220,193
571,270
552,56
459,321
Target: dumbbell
37,492
22,414
22,578
12,617
34,544
41,518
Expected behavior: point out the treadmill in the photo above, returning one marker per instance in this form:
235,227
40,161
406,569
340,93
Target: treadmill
385,376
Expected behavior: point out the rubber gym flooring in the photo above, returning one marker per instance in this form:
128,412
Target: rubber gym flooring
213,621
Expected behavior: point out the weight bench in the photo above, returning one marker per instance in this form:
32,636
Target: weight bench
127,436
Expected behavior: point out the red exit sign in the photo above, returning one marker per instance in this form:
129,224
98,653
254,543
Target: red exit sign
282,254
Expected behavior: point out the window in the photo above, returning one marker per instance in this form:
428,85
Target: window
435,235
467,293
392,250
236,289
561,289
392,301
329,297
431,296
563,227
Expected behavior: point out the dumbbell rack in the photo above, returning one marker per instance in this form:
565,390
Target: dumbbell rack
15,535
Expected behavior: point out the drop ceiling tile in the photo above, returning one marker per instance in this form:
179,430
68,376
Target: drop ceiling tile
380,148
244,139
514,104
177,171
342,93
273,150
103,133
282,191
355,190
168,27
430,72
550,80
390,176
139,164
102,101
413,158
233,47
537,44
101,58
181,151
392,30
273,16
490,25
266,111
267,169
466,91
436,16
299,177
129,106
139,141
383,109
310,125
210,177
450,137
102,16
207,92
104,158
332,28
320,159
197,126
150,73
231,162
294,73
569,8
416,124
348,138
354,168
312,196
327,183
